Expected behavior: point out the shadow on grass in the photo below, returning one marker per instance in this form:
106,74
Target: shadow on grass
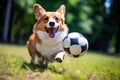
56,71
33,67
41,68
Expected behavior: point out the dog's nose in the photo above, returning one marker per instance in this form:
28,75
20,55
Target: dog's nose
51,23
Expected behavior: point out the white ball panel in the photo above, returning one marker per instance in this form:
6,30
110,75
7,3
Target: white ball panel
82,41
75,49
73,35
66,43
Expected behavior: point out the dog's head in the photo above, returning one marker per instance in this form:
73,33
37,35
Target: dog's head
49,22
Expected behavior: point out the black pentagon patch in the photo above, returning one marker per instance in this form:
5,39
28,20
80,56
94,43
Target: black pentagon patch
74,41
84,48
67,50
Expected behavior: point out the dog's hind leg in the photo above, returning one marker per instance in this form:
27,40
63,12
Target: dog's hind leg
41,60
32,60
46,63
32,57
31,50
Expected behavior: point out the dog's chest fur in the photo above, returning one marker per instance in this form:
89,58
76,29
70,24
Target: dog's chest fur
50,46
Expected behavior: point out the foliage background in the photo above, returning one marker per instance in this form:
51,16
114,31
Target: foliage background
99,24
88,17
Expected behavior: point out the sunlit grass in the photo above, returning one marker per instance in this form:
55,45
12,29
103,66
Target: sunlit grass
14,63
17,50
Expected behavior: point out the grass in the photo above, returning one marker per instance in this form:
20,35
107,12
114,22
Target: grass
14,65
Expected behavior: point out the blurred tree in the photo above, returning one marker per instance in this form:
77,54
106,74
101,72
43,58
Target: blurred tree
89,18
115,18
101,32
25,8
3,6
7,19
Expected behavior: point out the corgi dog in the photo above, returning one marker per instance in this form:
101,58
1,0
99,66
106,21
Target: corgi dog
48,32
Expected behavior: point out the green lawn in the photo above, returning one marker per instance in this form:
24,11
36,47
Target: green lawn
14,65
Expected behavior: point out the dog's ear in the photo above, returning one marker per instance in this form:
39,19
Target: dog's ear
38,10
62,10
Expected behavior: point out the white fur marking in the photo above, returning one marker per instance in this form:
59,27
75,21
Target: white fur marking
50,46
52,20
60,55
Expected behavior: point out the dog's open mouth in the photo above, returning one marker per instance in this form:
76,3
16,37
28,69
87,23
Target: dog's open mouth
51,31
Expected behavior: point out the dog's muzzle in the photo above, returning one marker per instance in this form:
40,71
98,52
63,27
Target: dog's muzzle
51,31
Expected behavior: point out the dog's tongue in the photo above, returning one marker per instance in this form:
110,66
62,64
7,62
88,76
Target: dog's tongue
52,34
51,31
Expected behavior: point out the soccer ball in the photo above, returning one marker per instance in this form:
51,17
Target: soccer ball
75,44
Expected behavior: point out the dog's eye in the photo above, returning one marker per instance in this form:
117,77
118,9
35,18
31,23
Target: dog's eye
46,18
56,18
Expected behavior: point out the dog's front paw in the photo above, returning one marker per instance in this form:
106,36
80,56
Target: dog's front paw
60,57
